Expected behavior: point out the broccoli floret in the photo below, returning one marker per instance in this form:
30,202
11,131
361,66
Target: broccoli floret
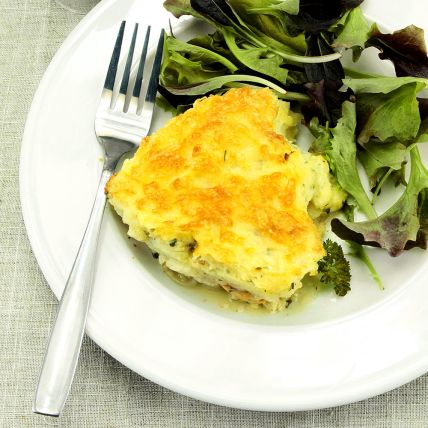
334,270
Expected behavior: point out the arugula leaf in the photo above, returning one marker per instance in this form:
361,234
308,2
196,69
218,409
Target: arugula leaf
221,14
258,59
214,42
395,116
405,48
184,63
334,270
220,81
401,227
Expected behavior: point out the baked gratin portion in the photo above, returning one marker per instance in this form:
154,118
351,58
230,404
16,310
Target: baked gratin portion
222,195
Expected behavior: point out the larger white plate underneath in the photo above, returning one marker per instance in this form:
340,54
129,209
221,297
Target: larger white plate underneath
329,352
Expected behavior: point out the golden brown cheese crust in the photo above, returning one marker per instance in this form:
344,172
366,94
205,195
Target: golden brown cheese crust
220,176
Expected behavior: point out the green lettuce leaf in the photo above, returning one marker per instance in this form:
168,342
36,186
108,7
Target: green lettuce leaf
214,42
379,158
341,153
221,14
343,160
395,116
423,132
352,31
383,85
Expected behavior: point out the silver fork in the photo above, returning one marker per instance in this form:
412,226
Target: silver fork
119,129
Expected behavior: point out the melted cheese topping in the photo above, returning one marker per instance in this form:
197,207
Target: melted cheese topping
224,198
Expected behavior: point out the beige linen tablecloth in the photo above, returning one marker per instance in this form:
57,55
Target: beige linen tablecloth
105,394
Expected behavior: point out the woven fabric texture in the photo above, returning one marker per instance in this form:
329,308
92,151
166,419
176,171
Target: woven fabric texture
105,394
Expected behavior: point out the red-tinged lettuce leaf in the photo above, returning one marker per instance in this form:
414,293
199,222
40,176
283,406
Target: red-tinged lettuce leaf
218,11
318,15
332,71
325,80
423,108
405,48
422,237
401,227
326,102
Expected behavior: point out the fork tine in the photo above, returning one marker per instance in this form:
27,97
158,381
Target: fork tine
112,69
154,77
139,78
127,71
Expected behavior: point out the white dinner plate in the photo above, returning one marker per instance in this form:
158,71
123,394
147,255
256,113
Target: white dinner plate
326,352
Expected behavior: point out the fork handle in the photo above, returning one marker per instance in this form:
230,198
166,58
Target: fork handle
65,341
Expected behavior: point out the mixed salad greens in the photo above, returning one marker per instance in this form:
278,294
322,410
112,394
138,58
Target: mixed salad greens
294,47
